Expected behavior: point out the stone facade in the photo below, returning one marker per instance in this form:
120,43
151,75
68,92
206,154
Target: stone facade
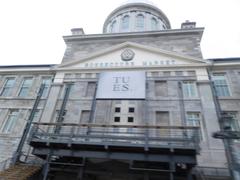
166,103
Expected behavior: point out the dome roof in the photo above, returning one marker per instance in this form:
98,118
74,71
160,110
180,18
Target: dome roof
136,15
139,1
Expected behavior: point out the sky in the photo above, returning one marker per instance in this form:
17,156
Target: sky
31,30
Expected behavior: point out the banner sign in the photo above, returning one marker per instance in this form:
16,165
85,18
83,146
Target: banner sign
121,85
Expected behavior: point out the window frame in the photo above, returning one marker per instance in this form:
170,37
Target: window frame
9,93
154,27
140,23
226,85
200,123
188,93
46,88
9,129
28,87
125,23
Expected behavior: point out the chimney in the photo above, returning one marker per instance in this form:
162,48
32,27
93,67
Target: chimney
188,25
77,31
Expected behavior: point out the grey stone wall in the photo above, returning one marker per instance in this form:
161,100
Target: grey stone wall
180,42
9,141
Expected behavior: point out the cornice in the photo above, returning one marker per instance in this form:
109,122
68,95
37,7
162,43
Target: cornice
170,32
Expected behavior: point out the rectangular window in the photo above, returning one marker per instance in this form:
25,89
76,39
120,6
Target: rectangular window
116,119
36,116
193,119
26,85
117,109
47,82
8,86
162,118
131,109
230,119
189,89
11,121
161,88
130,119
85,116
90,89
221,86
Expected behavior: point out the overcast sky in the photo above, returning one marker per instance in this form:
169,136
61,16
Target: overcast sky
31,30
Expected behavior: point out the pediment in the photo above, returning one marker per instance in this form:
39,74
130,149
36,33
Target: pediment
143,56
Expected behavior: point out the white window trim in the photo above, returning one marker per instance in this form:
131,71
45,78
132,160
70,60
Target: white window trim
4,83
6,118
227,83
195,89
23,79
201,124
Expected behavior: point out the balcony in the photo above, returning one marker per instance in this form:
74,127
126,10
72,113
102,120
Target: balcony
115,141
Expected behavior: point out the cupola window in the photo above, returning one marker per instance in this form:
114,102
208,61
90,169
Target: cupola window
154,24
113,27
125,23
140,22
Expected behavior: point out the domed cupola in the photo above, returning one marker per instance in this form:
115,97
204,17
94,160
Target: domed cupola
136,15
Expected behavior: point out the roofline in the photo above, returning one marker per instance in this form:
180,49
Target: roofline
225,59
29,66
132,34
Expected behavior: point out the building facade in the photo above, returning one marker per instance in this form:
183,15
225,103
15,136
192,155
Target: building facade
136,102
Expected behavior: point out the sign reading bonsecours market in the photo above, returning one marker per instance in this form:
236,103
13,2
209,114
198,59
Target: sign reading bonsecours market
121,85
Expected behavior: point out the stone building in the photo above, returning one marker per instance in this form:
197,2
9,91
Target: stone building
135,102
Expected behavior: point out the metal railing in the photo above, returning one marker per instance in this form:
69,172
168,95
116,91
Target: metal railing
128,135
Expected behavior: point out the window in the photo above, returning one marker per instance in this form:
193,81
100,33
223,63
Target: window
162,118
230,120
8,86
90,89
117,109
113,27
189,89
161,88
36,116
85,116
131,109
116,119
125,23
193,119
140,22
130,119
47,81
11,121
221,85
154,24
26,85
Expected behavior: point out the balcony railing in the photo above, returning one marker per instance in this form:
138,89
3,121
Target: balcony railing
117,135
138,135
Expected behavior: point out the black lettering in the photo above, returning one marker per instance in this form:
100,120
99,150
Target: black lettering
125,87
116,87
125,79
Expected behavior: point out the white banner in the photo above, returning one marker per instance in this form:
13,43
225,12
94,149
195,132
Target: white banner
121,85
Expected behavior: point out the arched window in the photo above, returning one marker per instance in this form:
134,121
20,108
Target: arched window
140,22
154,24
113,27
125,23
